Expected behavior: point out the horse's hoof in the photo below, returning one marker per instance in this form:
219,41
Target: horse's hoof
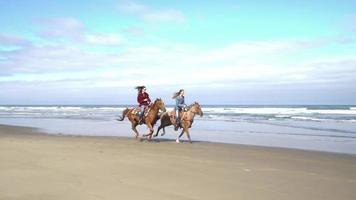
177,141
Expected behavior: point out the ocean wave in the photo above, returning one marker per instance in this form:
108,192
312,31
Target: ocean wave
309,118
278,111
219,113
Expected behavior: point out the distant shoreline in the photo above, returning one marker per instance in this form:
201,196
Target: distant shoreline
320,128
36,131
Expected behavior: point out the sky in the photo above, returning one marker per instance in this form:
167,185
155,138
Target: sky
221,52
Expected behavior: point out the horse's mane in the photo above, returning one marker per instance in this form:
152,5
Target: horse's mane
190,106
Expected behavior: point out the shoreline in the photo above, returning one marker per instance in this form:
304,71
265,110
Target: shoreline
39,131
43,166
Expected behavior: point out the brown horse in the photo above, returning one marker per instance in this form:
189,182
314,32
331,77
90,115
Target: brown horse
167,119
187,118
150,117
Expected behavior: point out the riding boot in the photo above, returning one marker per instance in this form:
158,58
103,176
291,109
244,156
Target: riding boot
141,120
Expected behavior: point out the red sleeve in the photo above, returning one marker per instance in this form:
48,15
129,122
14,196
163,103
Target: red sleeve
148,98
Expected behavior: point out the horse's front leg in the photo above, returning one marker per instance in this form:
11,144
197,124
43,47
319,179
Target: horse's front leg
151,132
149,126
188,135
180,135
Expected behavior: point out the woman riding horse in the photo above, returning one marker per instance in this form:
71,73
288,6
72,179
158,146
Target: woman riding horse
143,100
187,119
150,118
179,107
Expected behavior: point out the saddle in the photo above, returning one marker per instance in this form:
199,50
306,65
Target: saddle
137,110
182,114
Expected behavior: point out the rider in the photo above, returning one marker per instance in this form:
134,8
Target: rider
143,100
180,105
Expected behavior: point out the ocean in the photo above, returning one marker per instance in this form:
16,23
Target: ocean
310,127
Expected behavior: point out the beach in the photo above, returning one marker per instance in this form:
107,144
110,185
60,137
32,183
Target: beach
316,128
38,166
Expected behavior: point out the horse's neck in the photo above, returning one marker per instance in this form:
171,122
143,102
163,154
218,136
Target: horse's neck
190,114
154,109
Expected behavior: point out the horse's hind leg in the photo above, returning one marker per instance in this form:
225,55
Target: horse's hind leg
164,132
133,127
159,128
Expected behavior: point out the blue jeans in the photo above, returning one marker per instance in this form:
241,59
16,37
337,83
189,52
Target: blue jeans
142,111
177,110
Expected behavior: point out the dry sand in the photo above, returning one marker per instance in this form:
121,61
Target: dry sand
37,166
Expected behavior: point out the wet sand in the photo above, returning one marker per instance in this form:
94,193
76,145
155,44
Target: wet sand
36,166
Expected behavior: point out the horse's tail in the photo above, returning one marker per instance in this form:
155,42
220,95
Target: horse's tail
124,113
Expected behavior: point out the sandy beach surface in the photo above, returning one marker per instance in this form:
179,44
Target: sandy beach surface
36,166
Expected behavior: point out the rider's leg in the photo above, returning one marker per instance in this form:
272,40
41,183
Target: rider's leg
142,112
176,126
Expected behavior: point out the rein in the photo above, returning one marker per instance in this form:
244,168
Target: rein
188,110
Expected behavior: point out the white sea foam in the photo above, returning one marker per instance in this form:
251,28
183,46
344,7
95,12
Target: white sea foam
211,113
308,118
278,111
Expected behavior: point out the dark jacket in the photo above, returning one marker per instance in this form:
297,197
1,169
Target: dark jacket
141,97
180,104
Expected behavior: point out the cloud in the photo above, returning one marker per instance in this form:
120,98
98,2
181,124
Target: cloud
247,67
339,70
165,16
151,15
133,8
63,27
9,40
135,31
104,39
239,64
74,30
37,59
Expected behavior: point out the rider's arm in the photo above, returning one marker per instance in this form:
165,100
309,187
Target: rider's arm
148,98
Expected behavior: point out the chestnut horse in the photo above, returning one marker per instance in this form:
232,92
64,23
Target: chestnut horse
187,118
150,117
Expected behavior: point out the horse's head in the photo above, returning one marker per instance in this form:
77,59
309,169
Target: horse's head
196,108
160,104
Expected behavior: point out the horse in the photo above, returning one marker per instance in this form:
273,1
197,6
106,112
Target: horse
150,118
187,118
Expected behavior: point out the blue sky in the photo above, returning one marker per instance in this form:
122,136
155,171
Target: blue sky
221,52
